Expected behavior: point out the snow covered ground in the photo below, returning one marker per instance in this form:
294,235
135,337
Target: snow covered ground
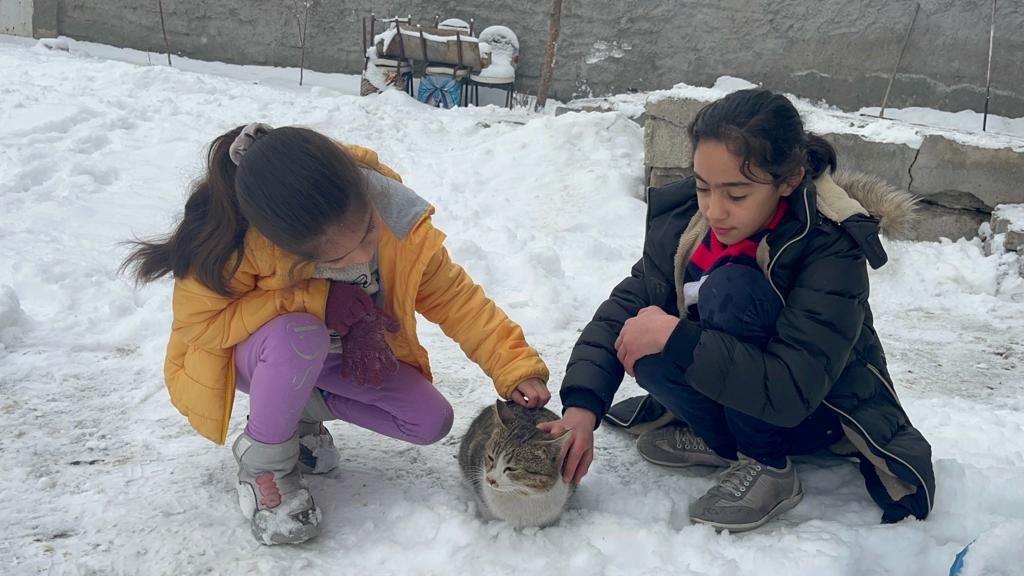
102,476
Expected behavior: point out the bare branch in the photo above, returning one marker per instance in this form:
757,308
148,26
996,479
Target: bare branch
300,10
167,46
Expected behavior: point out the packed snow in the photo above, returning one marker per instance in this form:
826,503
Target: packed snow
1013,214
103,476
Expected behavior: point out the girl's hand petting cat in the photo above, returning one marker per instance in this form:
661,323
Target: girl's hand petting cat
643,335
578,448
531,393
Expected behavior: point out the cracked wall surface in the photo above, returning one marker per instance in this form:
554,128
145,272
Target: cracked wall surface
836,50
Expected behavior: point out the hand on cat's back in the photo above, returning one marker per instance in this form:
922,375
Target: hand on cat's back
531,393
578,449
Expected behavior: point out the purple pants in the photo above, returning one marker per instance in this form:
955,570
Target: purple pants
286,360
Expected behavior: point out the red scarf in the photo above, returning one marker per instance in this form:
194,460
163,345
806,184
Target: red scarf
711,253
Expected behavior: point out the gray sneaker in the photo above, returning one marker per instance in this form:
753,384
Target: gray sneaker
747,495
271,494
677,446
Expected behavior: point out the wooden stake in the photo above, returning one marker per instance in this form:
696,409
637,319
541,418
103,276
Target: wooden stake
988,75
906,39
167,46
549,57
302,48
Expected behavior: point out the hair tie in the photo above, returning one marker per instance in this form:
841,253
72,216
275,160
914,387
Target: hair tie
249,135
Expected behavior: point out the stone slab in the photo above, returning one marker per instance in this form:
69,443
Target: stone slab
935,221
890,162
994,176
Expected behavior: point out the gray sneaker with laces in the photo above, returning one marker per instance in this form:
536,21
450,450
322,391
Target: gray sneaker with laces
747,495
677,446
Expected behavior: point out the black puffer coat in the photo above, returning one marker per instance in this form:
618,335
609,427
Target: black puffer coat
826,349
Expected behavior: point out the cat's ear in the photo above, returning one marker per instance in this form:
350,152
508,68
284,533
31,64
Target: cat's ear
504,412
558,438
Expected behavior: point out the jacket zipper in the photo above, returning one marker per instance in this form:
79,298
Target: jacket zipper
886,383
647,224
924,486
771,264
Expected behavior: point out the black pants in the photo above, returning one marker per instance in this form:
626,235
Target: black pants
738,300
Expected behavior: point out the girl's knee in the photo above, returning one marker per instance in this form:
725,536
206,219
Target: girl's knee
738,280
651,372
434,426
739,300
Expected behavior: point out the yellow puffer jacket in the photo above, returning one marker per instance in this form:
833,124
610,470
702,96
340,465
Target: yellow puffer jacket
417,274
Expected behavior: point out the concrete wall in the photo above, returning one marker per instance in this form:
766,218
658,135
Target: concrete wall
959,185
16,17
840,50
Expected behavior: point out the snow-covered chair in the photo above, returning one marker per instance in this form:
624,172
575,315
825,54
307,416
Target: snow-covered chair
455,24
442,81
457,72
501,72
380,70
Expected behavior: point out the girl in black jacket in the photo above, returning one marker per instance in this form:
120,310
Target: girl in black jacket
748,318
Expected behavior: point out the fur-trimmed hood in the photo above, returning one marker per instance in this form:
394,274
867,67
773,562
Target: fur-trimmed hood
848,192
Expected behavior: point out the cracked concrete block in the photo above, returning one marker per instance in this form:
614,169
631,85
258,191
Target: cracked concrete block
678,111
657,176
994,176
1014,241
935,221
959,184
890,162
666,144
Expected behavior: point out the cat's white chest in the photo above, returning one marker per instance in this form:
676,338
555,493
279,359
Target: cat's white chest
521,510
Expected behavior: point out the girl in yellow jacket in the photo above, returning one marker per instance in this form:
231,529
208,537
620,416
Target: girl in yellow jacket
299,266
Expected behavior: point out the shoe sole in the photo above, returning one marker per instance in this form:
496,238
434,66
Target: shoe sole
306,525
780,509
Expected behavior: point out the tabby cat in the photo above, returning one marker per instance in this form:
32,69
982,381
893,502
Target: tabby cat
514,468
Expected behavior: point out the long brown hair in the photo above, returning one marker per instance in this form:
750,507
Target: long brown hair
765,130
291,185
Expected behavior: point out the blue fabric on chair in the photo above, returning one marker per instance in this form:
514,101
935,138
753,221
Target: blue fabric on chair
439,91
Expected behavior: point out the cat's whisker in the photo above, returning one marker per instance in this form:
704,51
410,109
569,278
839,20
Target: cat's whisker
478,476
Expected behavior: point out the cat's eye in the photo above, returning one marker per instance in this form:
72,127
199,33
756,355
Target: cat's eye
509,469
489,459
